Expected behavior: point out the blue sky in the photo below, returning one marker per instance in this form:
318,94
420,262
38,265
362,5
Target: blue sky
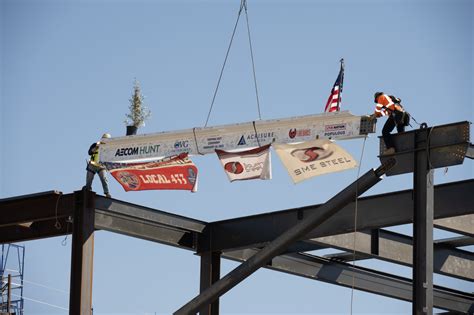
67,71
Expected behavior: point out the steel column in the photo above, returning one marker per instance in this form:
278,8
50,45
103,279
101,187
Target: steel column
282,242
82,254
423,226
210,273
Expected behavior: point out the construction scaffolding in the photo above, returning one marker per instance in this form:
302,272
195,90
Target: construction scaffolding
12,269
280,240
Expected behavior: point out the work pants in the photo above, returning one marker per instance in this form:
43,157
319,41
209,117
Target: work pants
394,120
91,171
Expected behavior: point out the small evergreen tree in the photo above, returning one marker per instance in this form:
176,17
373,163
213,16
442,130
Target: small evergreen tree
138,112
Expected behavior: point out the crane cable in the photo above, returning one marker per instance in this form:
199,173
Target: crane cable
243,7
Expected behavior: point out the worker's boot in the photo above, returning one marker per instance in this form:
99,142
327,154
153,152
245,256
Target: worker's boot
389,151
108,195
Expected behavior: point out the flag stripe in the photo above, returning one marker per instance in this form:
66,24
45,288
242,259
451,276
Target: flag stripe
334,100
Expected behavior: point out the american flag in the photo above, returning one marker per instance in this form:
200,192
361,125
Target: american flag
334,100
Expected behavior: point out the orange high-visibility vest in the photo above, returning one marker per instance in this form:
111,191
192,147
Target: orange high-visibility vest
384,102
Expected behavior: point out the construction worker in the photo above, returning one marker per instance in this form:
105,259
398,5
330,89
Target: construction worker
94,166
389,105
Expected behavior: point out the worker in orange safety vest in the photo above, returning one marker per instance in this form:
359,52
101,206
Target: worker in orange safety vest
389,105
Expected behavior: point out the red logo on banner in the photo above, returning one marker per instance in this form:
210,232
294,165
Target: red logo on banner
128,179
292,133
234,167
311,154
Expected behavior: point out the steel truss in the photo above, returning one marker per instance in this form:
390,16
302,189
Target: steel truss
242,239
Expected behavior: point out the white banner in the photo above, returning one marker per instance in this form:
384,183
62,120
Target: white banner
313,158
197,141
249,164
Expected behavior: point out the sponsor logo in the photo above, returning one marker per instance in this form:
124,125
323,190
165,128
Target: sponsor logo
253,137
292,133
322,164
299,133
239,168
144,150
335,130
242,141
128,179
234,167
308,155
181,144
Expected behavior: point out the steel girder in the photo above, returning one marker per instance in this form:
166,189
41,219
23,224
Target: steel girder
398,248
343,274
145,223
453,199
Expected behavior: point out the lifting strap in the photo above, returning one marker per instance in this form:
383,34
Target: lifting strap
243,7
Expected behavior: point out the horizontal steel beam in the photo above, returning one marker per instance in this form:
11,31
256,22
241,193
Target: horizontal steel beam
448,145
347,256
136,212
37,207
144,229
398,248
37,230
459,224
453,199
146,223
364,279
458,241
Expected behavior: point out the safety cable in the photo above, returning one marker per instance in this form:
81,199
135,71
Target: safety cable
68,221
251,55
416,122
355,224
57,224
225,61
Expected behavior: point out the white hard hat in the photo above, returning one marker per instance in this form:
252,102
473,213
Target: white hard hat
106,135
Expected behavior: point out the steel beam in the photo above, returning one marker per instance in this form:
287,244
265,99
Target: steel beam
347,256
136,212
82,254
463,224
452,199
37,230
36,207
144,229
398,248
423,224
282,242
210,274
446,145
459,241
367,280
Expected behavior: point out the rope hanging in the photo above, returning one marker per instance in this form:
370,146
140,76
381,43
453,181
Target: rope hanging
243,5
